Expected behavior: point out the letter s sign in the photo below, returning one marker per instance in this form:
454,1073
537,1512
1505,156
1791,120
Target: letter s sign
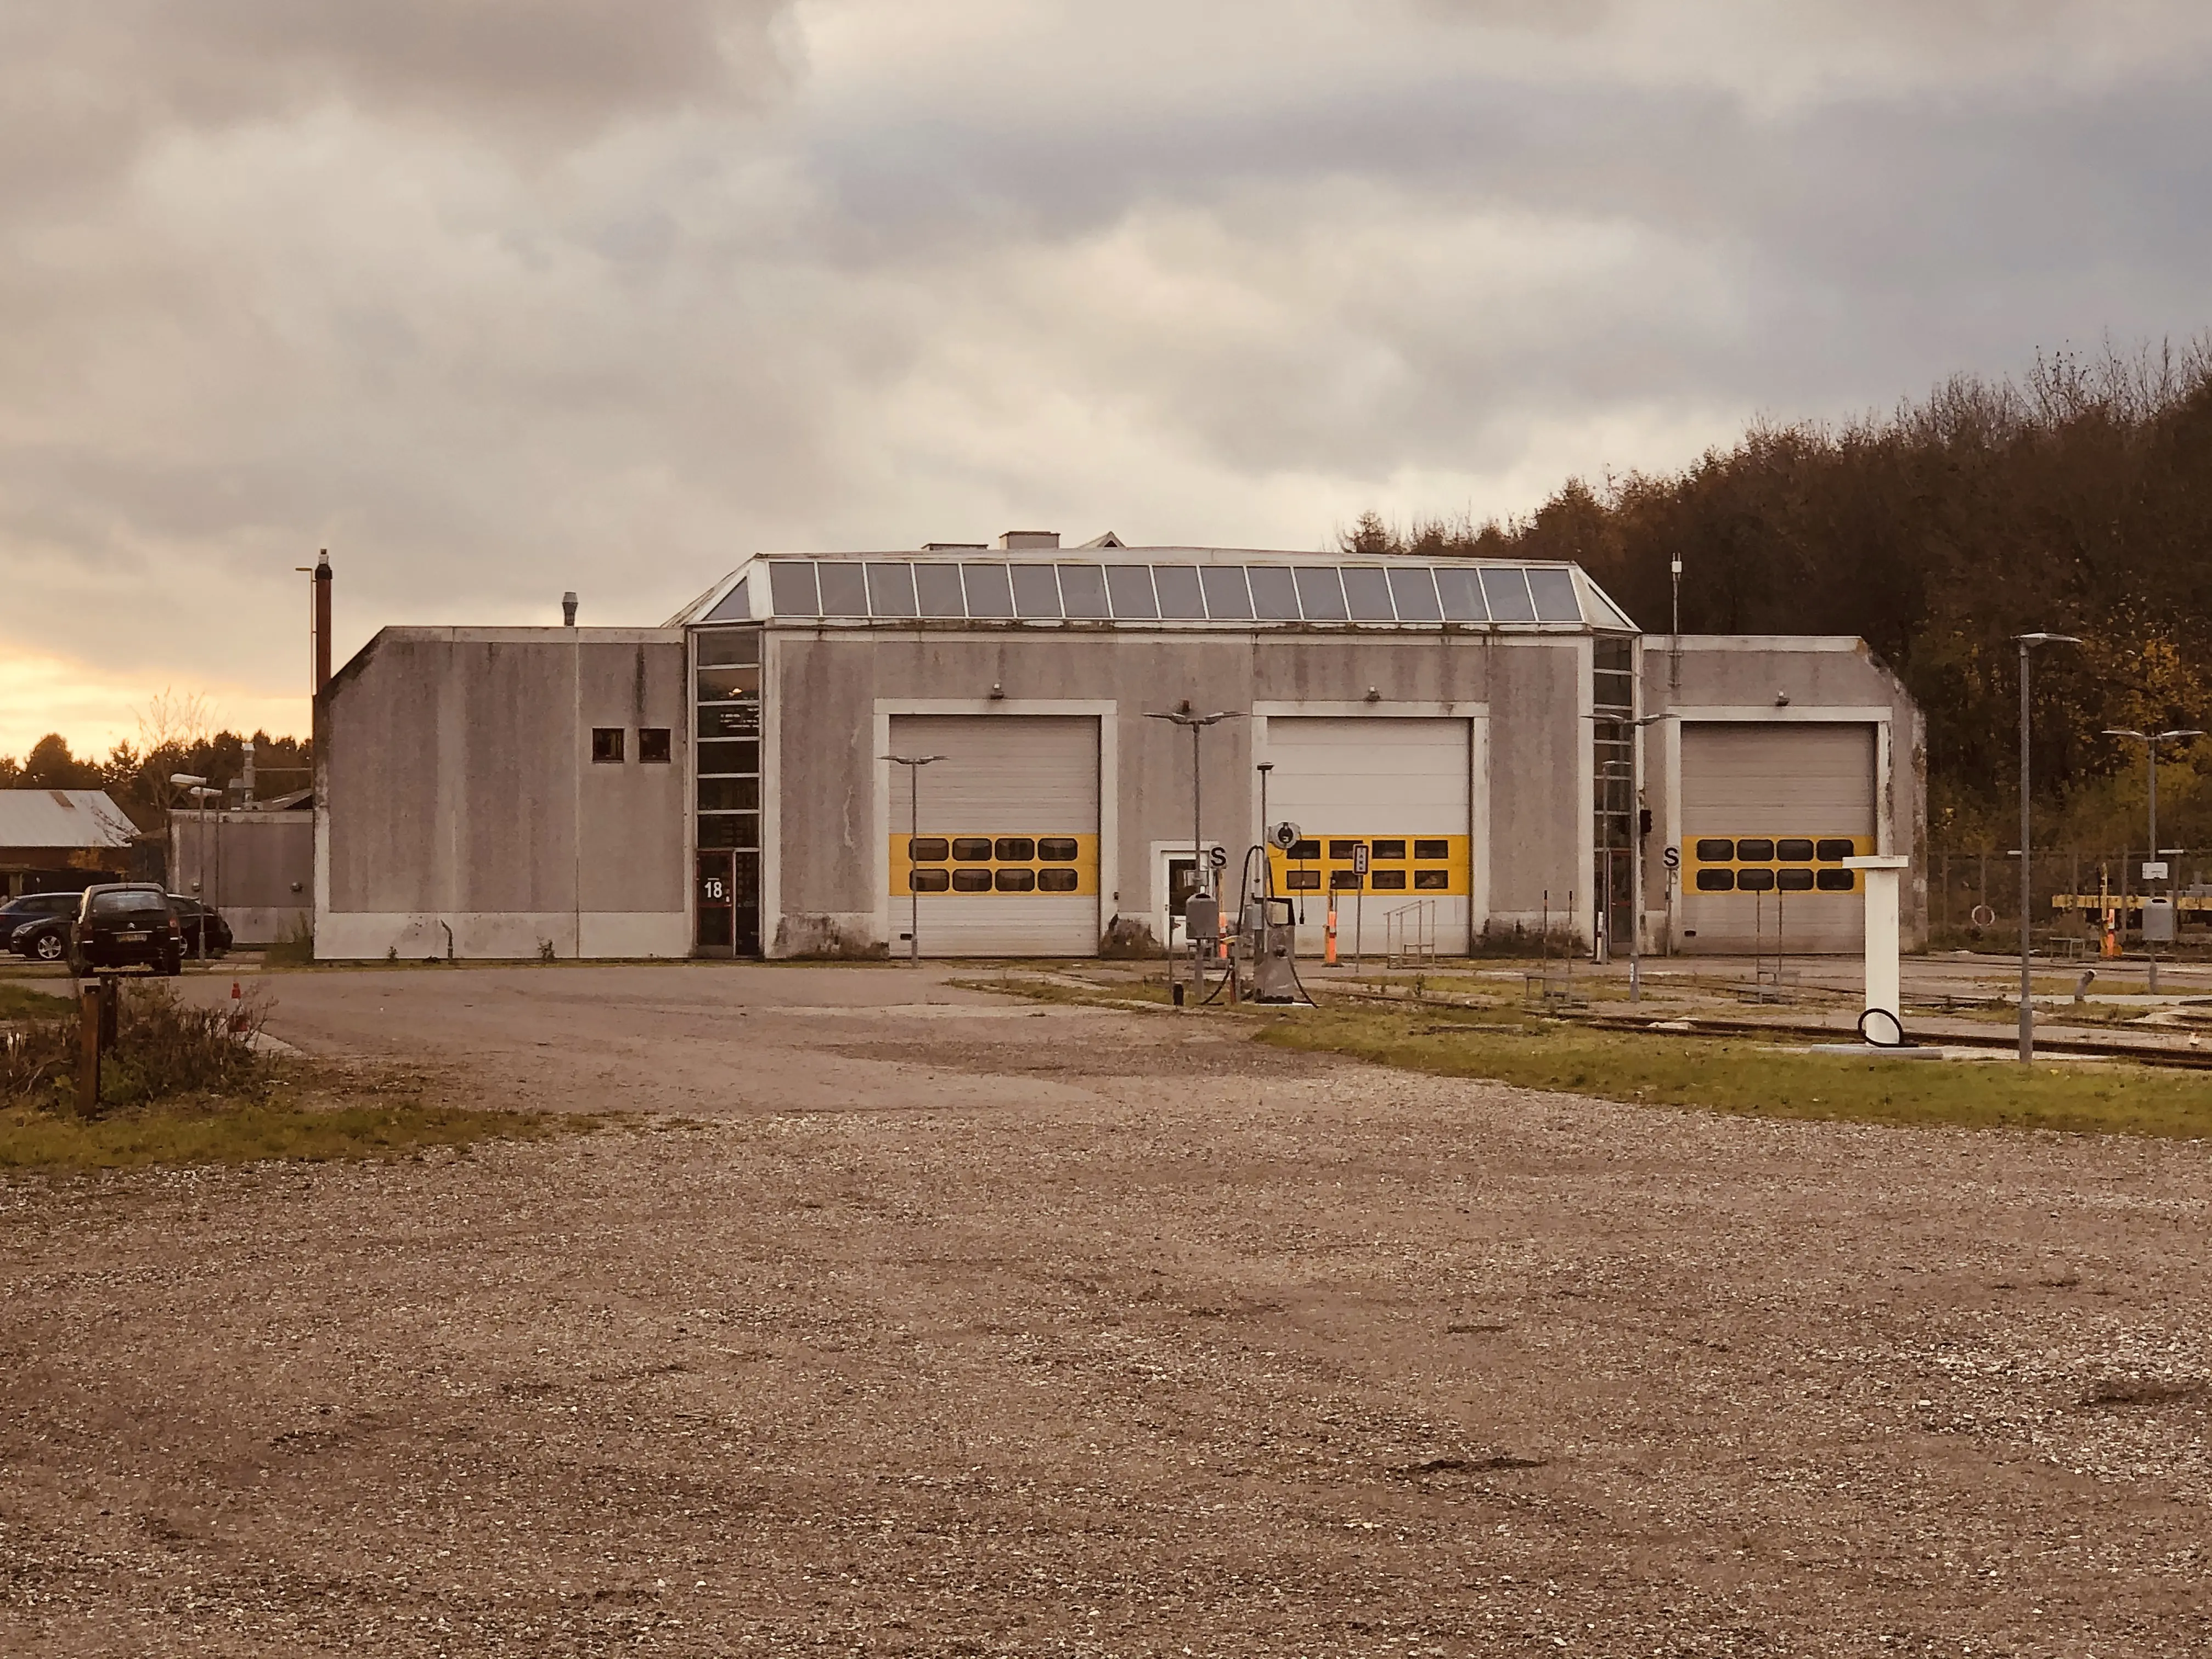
1674,858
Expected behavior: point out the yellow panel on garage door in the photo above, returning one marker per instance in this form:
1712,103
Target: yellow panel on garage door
1008,863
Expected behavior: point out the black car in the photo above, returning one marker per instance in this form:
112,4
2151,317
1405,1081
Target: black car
37,925
127,925
193,918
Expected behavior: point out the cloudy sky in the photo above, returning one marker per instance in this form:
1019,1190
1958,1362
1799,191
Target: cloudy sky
495,298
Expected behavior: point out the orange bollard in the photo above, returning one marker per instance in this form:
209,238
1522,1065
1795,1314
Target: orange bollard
237,1008
1328,955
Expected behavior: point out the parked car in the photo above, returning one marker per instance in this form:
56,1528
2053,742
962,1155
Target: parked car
193,917
127,925
37,925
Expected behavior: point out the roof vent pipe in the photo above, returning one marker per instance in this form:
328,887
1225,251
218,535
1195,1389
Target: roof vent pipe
569,610
322,622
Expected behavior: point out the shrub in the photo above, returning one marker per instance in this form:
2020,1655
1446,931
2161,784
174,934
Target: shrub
162,1047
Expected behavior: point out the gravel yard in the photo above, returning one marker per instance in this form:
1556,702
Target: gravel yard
888,1318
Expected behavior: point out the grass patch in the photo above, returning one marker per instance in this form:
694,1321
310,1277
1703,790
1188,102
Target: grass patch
288,1124
1750,1078
19,1002
188,1084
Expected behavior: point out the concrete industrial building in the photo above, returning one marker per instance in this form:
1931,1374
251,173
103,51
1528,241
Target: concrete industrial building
722,785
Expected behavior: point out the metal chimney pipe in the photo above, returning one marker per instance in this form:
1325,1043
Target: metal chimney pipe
322,621
569,610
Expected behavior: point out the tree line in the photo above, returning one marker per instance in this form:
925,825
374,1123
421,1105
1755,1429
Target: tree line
136,776
2076,499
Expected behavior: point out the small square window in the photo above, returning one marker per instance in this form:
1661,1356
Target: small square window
928,881
652,748
1302,881
1431,881
1753,850
1057,847
1432,847
1716,849
927,850
1015,881
1836,881
1058,881
1017,849
971,849
1387,881
607,745
1395,849
971,881
1794,852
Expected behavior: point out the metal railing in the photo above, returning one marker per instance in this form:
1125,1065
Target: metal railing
1409,934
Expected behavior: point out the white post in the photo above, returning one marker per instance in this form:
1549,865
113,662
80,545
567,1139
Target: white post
1881,876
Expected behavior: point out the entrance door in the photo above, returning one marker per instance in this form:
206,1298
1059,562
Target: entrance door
728,903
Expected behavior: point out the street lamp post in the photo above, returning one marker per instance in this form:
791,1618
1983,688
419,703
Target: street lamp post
914,763
1184,716
2150,741
2027,642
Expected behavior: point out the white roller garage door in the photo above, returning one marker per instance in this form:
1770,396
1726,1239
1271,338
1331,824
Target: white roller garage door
1008,856
1770,811
1399,787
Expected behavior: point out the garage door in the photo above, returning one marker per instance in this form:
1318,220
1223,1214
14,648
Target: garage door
1398,788
1770,811
1006,862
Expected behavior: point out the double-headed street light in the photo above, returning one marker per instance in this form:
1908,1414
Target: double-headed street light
2150,741
914,763
1184,714
2028,641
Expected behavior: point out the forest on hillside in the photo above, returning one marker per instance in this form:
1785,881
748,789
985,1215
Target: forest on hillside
2075,500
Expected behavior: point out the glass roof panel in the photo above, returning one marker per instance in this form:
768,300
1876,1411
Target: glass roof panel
1083,590
1367,593
1606,613
1321,593
1227,599
1180,599
791,588
1554,594
990,591
891,590
1274,596
1415,591
844,590
1507,592
1036,593
1460,588
937,589
1130,586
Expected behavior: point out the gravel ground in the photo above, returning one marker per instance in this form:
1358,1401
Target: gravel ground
904,1322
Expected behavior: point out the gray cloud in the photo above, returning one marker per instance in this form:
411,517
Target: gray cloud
497,299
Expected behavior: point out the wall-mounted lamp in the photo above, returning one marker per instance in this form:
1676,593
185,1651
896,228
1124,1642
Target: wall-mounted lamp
1782,699
1373,695
998,691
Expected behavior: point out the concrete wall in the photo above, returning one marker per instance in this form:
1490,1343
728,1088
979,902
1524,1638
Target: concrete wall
824,884
458,792
1746,678
257,868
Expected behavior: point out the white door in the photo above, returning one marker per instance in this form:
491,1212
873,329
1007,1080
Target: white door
1770,811
1397,787
1006,860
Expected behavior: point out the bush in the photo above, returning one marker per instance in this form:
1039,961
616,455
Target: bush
163,1047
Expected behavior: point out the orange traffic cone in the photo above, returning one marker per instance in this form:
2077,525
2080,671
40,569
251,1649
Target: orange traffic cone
1328,955
237,1007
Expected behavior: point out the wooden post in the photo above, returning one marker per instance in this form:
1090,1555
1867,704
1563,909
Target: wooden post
90,1008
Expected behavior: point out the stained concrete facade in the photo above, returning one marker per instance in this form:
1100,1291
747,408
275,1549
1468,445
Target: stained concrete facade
461,809
257,868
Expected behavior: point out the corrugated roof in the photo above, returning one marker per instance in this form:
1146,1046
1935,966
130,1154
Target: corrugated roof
62,817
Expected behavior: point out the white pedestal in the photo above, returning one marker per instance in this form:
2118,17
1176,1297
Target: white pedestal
1881,876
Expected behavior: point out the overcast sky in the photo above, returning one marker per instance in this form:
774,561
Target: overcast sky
495,298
